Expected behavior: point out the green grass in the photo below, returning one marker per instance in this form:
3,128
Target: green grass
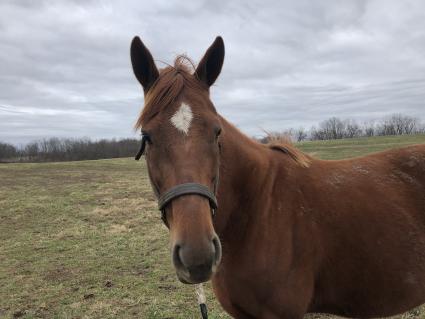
344,148
84,240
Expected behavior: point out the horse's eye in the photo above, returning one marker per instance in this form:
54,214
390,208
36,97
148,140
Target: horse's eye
217,132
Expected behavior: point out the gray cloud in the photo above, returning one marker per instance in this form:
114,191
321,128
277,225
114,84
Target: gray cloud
65,69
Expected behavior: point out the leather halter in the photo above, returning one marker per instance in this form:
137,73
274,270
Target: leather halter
181,190
186,189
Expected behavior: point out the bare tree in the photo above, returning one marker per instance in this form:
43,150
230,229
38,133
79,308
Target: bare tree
399,124
300,134
7,151
352,129
369,128
331,129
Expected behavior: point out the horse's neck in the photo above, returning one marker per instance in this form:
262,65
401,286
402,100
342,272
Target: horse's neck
244,172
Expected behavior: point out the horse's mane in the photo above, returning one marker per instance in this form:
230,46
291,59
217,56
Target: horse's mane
284,145
168,87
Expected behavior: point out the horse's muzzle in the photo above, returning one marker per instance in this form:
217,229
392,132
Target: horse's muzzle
196,263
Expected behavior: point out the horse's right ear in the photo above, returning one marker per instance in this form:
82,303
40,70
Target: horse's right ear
144,67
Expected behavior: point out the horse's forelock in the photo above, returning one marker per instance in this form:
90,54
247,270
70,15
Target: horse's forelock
168,87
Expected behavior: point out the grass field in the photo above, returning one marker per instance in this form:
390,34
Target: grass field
84,239
345,148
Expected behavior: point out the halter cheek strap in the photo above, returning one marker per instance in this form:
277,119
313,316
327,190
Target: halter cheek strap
186,189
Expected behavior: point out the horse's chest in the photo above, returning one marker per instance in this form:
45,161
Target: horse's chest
237,295
244,291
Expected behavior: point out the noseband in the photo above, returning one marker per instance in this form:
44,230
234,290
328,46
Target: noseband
186,189
181,190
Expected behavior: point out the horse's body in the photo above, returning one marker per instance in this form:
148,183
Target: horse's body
299,234
344,237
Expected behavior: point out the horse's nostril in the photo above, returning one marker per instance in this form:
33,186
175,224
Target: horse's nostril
217,249
176,256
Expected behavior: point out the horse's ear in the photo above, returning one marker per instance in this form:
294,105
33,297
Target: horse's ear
210,66
144,67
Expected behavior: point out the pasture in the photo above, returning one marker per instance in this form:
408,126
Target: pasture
84,239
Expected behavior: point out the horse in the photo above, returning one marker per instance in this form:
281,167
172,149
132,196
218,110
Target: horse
279,233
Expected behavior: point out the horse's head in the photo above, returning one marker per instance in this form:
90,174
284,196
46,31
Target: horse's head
181,128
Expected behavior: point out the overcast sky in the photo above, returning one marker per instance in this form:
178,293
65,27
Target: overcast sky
65,67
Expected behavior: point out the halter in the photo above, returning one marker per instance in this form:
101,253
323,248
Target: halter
186,189
181,190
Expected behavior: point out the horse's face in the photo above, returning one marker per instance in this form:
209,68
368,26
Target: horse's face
174,157
183,147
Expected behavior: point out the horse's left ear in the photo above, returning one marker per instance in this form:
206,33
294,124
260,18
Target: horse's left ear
210,66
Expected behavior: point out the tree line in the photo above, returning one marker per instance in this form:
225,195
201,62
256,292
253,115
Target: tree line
66,149
336,128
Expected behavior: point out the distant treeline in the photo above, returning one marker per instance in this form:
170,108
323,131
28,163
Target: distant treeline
336,128
66,149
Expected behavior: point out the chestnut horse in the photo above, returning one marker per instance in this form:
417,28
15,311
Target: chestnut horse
299,234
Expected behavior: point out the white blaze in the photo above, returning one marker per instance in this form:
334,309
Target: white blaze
182,118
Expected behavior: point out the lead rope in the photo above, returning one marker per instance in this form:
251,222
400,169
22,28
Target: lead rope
201,301
200,293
